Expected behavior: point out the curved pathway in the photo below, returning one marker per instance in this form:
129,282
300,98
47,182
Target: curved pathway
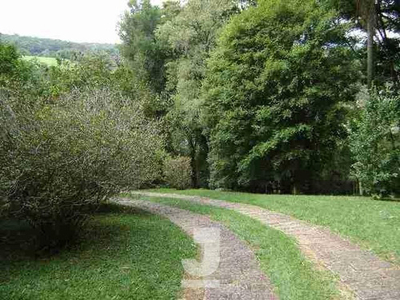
237,276
365,274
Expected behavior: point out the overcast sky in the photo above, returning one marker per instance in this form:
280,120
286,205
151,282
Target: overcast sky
72,20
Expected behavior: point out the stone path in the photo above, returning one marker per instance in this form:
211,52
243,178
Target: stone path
237,275
366,275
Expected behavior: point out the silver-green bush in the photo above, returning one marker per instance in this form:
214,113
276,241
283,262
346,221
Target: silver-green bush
60,158
178,172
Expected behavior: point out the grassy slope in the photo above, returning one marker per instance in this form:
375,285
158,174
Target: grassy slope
130,255
50,61
375,225
291,274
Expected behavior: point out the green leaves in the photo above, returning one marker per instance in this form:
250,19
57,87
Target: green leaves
276,63
375,144
178,172
145,54
59,159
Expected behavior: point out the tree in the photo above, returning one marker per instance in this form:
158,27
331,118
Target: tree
375,143
274,96
380,20
16,74
191,35
9,59
369,13
140,47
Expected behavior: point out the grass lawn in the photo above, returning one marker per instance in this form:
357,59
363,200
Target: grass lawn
50,61
373,224
124,254
292,275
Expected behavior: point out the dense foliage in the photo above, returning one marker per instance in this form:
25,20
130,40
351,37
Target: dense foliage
274,95
178,172
379,19
60,158
260,94
12,68
72,136
146,55
191,36
375,143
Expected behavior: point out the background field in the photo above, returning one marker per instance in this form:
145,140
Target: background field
50,61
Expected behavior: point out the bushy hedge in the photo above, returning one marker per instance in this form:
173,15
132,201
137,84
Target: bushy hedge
375,143
60,158
178,172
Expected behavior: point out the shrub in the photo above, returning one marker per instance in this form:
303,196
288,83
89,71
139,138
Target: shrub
60,159
375,144
178,172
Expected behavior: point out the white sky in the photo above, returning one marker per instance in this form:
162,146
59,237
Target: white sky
71,20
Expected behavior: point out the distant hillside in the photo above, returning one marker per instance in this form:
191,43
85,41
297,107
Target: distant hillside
55,48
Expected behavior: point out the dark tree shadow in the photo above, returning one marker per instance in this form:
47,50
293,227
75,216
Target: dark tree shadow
17,237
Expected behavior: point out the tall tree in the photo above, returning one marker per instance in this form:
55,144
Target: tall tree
191,35
368,11
140,46
274,96
380,20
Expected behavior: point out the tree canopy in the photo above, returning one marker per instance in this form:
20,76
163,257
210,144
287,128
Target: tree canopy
274,94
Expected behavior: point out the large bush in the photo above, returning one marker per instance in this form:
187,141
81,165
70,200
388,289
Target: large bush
178,172
375,143
60,158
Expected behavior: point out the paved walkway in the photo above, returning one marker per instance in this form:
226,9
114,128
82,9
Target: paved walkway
366,275
237,277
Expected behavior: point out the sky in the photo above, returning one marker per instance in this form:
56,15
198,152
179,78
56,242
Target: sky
71,20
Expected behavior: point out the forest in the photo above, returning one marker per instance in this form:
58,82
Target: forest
265,96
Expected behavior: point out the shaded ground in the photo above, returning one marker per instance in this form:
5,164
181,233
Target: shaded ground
124,254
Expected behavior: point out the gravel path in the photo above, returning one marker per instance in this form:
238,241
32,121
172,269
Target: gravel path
366,275
237,274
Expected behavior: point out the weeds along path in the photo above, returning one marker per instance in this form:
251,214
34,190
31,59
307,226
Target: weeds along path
366,275
237,274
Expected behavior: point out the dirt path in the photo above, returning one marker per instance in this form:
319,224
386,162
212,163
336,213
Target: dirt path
366,275
237,274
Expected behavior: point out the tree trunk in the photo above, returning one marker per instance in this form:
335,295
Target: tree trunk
192,151
370,46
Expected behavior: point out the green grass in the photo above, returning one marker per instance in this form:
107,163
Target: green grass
125,254
50,61
375,225
291,274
